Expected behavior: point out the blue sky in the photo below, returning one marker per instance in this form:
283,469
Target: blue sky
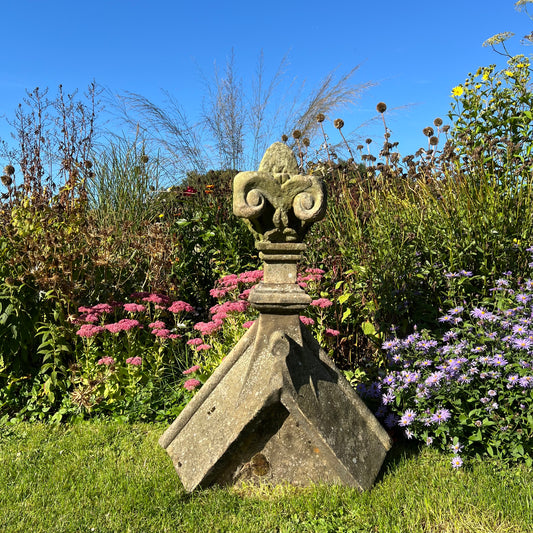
415,51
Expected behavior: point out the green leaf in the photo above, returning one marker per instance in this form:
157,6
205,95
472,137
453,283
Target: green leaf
368,328
343,297
346,314
476,437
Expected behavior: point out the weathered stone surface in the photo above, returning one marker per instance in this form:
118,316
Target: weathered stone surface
277,409
279,204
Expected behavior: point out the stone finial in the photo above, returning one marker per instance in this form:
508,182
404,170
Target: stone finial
279,204
277,409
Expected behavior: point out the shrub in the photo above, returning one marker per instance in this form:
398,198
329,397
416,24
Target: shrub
468,390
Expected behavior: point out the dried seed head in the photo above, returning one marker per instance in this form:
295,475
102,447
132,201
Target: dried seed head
381,107
437,122
284,138
306,141
433,141
445,128
144,158
9,170
338,123
6,180
368,141
87,164
320,117
360,147
296,134
428,132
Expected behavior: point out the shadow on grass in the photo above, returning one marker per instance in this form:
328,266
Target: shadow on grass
402,450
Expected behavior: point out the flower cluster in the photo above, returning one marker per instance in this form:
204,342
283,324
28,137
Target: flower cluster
470,390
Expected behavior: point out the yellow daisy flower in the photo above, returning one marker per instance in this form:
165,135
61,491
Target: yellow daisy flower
457,91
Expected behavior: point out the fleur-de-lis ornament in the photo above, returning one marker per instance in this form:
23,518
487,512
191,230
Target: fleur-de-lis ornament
279,204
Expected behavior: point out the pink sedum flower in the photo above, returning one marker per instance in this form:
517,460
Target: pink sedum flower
179,307
322,303
195,342
218,293
248,324
158,324
91,318
307,320
252,276
208,328
191,384
134,308
88,330
332,332
161,332
159,299
102,308
108,361
125,324
135,361
194,368
203,347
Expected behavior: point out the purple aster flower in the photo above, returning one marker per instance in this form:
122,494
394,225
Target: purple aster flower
446,318
441,416
426,345
411,377
374,390
456,310
522,298
519,329
388,397
456,448
498,360
407,418
522,344
389,380
449,335
502,283
512,380
478,349
479,313
434,379
381,411
526,382
390,344
391,420
410,339
457,462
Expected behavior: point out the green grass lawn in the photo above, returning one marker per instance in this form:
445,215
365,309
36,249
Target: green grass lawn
110,477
